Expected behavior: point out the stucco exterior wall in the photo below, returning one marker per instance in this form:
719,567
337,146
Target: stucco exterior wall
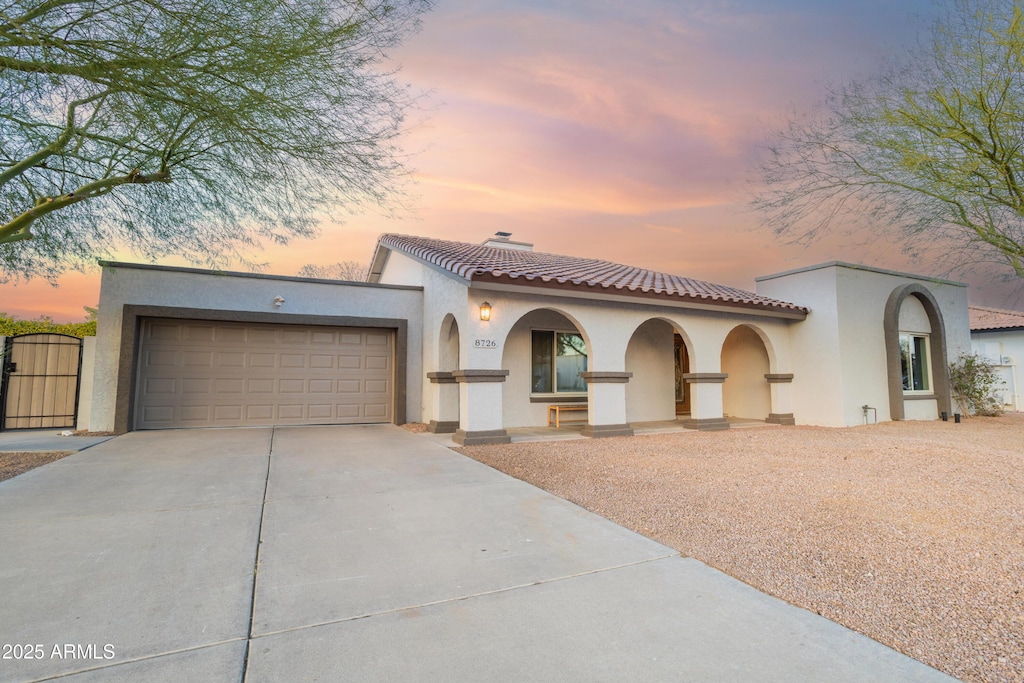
443,296
125,284
1008,346
817,387
840,351
85,382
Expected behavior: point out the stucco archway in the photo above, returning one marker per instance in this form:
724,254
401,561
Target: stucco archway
658,354
937,339
745,360
444,395
543,363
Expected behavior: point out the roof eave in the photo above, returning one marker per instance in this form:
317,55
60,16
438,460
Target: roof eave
553,287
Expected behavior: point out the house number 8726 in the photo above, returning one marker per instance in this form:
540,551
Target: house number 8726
485,344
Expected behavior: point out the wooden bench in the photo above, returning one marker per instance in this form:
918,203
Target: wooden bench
555,411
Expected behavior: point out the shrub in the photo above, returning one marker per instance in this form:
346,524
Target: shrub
10,327
973,381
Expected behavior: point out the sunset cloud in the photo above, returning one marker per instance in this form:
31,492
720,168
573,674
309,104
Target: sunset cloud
616,130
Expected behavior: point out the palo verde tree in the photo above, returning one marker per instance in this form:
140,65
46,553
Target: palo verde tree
930,152
196,127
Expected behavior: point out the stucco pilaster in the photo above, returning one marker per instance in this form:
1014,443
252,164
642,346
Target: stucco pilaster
480,420
444,404
606,396
706,400
780,385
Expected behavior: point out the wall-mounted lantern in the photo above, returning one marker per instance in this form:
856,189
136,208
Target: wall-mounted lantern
485,311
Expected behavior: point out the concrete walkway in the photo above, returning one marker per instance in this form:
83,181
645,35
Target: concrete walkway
40,440
367,554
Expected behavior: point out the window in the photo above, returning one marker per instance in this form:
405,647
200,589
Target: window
914,362
558,359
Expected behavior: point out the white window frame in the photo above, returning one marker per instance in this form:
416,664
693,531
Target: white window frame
926,365
554,364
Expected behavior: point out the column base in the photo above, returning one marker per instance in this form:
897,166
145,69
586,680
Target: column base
599,431
436,427
780,419
481,438
707,424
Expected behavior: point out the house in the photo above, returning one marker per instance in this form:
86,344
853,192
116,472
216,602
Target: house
998,336
476,339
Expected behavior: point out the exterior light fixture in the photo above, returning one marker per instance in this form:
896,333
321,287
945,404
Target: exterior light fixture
485,311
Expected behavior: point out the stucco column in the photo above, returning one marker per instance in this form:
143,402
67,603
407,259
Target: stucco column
706,401
480,419
444,418
782,404
606,404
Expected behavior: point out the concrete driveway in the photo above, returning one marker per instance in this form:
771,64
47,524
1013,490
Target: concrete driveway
366,554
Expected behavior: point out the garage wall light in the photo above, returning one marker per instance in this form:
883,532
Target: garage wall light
485,311
278,300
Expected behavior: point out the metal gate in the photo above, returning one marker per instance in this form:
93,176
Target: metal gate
39,383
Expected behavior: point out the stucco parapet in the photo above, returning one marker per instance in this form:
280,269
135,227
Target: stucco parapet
442,378
779,377
252,276
705,377
606,377
480,375
857,266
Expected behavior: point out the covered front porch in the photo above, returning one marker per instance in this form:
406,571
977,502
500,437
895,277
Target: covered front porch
617,369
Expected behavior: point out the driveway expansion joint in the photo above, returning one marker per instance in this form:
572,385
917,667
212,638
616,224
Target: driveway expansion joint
461,598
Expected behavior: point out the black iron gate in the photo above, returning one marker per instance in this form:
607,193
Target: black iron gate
39,383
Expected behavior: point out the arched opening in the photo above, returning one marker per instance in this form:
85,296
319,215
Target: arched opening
915,344
444,414
746,393
545,354
448,344
657,356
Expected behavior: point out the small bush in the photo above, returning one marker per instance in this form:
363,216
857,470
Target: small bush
973,381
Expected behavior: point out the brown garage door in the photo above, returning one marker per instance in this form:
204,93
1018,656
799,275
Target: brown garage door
218,374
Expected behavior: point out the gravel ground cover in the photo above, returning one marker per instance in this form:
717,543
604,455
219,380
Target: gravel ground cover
13,463
909,532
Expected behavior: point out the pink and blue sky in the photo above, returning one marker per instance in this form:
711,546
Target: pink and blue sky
625,131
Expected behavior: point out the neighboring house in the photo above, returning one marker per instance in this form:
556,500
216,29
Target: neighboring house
476,339
998,336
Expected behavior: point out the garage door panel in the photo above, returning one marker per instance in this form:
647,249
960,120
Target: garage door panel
261,336
198,373
259,412
192,385
294,336
262,386
321,362
262,360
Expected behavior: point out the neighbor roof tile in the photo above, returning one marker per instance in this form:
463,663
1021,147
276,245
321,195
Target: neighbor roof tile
983,318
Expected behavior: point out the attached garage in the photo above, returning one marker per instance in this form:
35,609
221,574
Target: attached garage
201,373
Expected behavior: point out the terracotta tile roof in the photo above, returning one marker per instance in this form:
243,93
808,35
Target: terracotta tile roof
983,318
476,262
